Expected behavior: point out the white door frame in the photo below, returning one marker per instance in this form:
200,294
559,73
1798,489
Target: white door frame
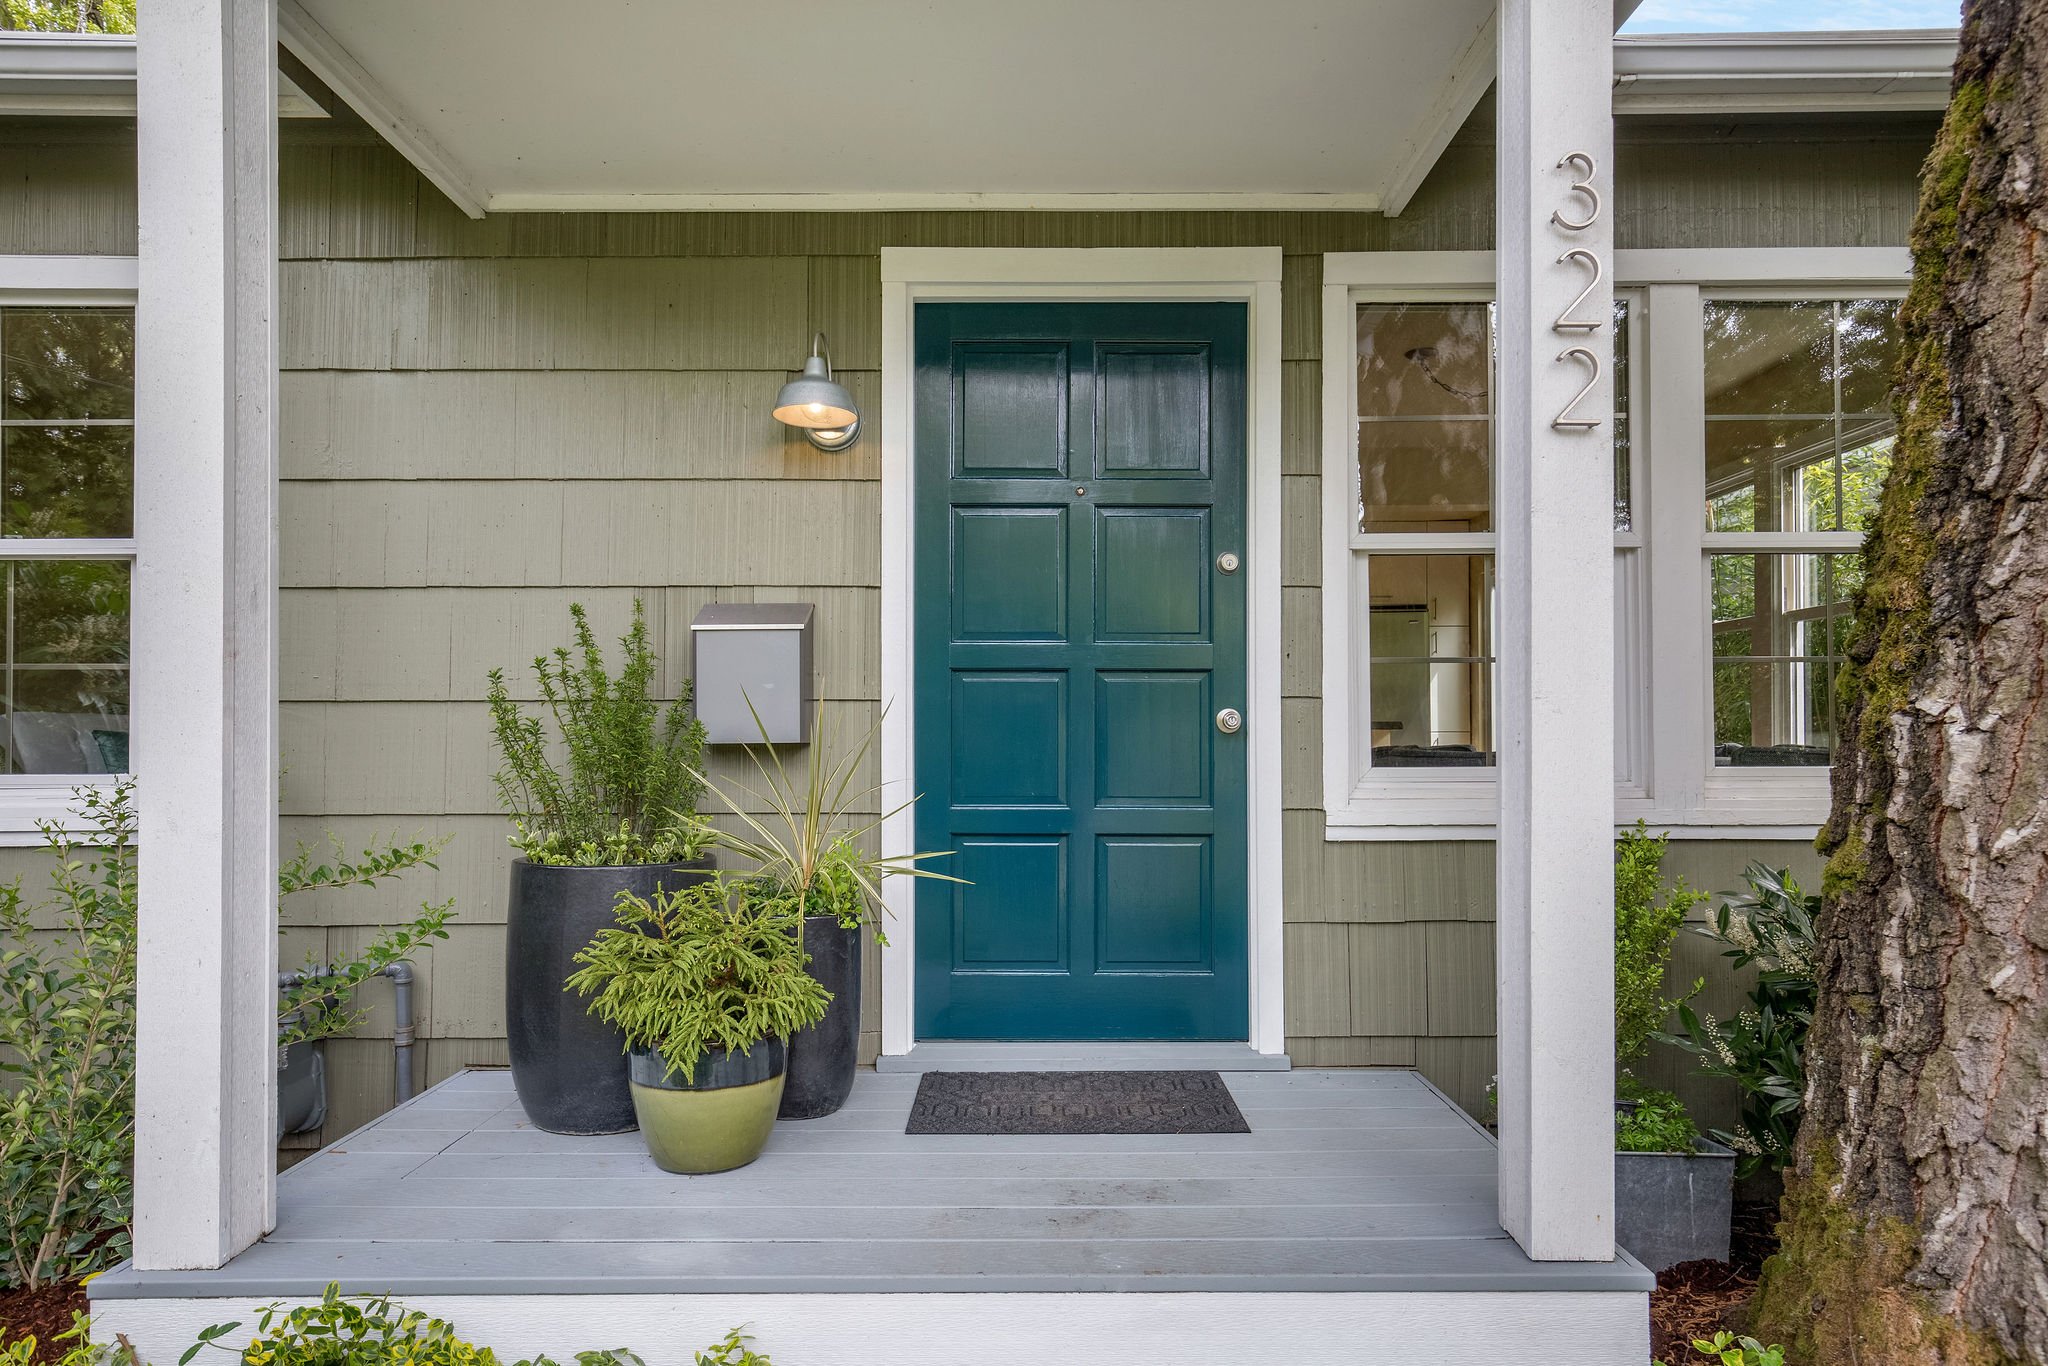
1247,275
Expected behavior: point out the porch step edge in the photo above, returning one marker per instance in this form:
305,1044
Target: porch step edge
954,1055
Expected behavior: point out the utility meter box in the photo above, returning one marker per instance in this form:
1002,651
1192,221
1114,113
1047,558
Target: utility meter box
758,653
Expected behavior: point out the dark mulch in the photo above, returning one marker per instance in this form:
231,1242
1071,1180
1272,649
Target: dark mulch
45,1313
1696,1299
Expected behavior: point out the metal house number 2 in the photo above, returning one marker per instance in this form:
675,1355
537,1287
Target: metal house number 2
1585,170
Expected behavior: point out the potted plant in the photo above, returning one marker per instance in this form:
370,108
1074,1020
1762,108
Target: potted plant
808,848
614,818
706,983
1673,1190
1763,1049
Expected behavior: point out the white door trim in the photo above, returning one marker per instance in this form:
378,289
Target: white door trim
1248,275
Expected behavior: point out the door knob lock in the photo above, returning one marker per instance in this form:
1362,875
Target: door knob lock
1230,721
1227,562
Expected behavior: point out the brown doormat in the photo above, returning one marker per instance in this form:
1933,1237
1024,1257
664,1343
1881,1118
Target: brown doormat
1074,1103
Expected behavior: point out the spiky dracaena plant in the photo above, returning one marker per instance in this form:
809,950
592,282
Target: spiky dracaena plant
627,791
806,841
703,968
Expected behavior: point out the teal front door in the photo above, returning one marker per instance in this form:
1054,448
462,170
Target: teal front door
1080,638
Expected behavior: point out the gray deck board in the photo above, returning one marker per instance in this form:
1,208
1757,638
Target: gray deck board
1349,1181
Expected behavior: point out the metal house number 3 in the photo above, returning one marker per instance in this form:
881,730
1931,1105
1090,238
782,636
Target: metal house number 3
1586,171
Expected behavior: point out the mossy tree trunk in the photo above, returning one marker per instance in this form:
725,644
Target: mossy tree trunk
1916,1222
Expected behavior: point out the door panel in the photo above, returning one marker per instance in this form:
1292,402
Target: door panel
1079,468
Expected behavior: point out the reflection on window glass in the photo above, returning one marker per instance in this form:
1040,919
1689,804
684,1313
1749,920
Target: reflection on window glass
66,704
67,462
1624,512
1797,435
1780,630
1430,636
1425,448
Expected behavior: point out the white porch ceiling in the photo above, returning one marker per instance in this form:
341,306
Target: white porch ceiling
910,103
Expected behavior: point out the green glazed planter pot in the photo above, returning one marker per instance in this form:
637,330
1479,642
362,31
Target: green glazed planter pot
715,1120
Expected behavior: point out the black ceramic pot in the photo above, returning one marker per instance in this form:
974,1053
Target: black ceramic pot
569,1067
822,1058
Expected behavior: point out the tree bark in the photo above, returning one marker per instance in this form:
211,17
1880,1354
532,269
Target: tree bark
1916,1219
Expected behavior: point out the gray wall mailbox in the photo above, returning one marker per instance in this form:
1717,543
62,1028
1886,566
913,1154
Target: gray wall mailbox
758,652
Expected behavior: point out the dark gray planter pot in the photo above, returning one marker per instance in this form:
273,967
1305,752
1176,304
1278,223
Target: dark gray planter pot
568,1067
822,1058
301,1088
1674,1207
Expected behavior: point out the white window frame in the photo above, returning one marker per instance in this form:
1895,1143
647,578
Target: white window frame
1664,772
27,799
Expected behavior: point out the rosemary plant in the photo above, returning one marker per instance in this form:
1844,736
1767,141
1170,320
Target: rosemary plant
708,967
627,790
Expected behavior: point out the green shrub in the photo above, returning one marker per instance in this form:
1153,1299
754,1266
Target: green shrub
713,965
1763,1049
78,1349
1730,1350
627,790
1657,1124
1647,916
67,1030
320,1005
372,1331
67,1051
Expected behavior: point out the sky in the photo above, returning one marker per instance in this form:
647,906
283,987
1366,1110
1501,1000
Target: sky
1761,16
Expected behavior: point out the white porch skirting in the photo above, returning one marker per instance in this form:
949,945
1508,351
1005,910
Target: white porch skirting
1302,1329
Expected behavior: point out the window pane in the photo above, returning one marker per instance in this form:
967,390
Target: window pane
1869,338
65,702
67,363
1780,627
1424,476
1425,449
1770,358
1624,515
1430,637
1790,445
67,481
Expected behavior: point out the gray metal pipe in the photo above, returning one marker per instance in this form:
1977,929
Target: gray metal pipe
402,1029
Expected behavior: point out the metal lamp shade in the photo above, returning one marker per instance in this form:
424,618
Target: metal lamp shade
815,400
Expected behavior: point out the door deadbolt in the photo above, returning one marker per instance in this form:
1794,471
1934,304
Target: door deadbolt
1227,562
1229,721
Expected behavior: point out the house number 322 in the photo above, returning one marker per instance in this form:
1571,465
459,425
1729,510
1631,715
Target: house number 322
1585,170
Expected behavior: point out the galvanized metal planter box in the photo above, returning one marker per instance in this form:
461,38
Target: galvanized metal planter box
1674,1207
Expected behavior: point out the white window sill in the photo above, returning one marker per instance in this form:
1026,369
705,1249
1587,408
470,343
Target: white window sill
1778,806
25,801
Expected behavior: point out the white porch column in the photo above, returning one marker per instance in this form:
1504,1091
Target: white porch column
1556,592
205,678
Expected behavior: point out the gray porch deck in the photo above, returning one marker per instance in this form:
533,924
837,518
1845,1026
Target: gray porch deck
1349,1181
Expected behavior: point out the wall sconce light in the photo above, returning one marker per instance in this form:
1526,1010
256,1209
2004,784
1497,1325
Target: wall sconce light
818,404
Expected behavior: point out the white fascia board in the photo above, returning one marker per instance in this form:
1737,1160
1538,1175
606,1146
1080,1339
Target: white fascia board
93,73
1690,73
67,73
334,65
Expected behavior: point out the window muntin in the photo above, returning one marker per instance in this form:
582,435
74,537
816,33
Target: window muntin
67,409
